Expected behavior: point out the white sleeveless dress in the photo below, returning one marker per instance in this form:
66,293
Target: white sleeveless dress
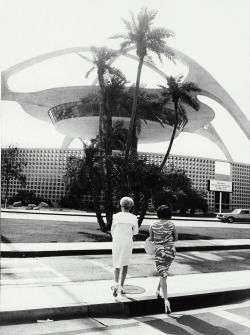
123,228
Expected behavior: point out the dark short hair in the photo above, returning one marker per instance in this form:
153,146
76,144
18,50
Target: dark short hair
164,212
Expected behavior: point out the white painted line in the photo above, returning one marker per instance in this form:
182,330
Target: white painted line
105,267
23,281
234,318
23,270
58,274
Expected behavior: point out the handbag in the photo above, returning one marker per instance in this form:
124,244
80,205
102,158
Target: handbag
149,247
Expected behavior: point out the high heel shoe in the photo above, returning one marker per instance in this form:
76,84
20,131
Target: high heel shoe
115,289
167,307
122,290
158,294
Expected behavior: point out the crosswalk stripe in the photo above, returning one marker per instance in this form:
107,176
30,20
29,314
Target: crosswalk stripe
23,281
24,270
50,269
233,317
105,267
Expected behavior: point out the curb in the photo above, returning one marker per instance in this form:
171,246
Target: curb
125,309
93,215
51,253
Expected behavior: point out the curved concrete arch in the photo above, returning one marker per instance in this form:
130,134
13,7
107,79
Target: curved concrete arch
67,141
212,89
39,102
210,133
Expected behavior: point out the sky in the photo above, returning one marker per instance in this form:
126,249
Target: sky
215,33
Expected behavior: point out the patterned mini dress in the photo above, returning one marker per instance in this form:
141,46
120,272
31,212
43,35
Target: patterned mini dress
163,245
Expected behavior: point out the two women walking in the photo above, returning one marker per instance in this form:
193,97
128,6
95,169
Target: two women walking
162,234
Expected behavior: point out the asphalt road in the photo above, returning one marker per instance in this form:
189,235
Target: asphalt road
222,320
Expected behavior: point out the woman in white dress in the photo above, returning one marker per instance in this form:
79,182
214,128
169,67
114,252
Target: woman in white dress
123,228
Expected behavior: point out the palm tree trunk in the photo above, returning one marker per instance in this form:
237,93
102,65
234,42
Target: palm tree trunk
133,113
108,194
131,127
95,194
136,197
101,117
108,189
144,207
105,143
172,137
134,140
7,192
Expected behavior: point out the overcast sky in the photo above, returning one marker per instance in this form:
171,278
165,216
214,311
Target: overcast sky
215,33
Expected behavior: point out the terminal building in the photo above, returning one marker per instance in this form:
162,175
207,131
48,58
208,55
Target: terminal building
64,108
46,168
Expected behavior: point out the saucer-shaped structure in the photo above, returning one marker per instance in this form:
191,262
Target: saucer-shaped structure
82,121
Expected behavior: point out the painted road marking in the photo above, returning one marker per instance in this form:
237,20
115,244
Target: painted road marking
234,318
105,267
56,273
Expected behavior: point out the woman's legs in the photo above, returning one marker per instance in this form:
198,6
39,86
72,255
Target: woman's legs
163,281
163,284
158,290
159,285
124,274
116,278
116,275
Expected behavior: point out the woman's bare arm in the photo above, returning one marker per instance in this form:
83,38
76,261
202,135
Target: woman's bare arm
175,234
151,235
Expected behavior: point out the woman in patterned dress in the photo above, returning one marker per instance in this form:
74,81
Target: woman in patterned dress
123,228
163,234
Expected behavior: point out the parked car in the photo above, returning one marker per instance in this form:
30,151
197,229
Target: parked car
236,215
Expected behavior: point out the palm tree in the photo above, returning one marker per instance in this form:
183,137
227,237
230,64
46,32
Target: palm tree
100,61
179,93
84,175
12,168
146,39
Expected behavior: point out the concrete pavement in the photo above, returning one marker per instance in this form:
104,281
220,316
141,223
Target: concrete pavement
62,298
65,299
95,248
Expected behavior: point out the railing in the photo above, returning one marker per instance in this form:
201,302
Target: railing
80,109
72,110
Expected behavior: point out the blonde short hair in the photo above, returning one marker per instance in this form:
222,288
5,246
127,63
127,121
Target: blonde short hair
126,202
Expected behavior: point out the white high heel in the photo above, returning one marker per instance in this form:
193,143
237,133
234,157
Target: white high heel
167,307
115,289
122,290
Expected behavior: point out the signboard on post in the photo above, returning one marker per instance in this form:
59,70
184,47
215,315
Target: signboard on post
220,185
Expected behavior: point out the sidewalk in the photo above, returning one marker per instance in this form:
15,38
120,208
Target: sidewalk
95,248
29,303
41,300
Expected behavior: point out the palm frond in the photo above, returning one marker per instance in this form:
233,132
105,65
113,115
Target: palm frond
125,44
190,87
84,57
115,36
89,71
190,100
162,33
